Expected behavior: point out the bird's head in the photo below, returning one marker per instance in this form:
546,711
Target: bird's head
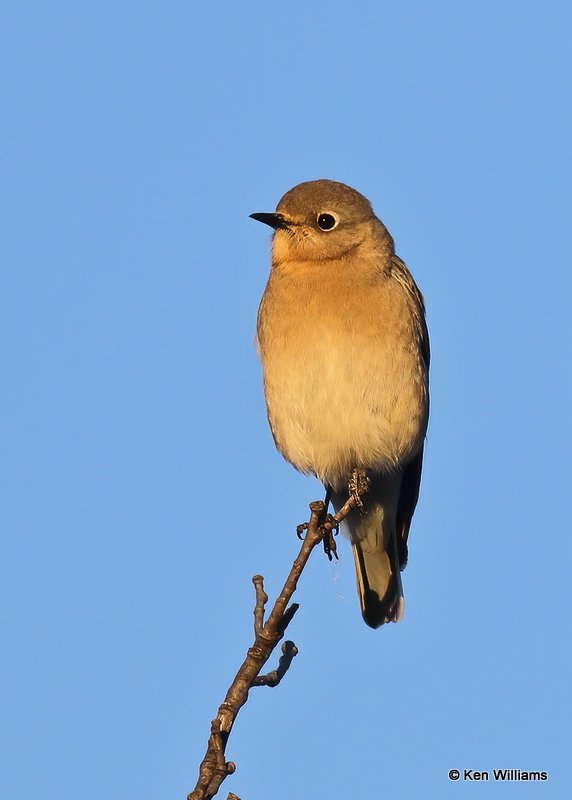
322,220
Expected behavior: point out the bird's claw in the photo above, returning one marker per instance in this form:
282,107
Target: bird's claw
330,528
330,548
301,529
330,524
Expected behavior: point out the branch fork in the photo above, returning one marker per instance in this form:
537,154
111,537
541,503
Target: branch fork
267,634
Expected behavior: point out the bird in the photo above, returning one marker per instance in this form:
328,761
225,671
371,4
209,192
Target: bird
343,341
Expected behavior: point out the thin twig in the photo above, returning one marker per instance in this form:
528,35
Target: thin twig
261,600
214,769
289,651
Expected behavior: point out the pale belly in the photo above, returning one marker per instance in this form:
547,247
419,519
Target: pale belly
341,399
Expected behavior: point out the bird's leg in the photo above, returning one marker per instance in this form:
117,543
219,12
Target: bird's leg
358,485
329,524
329,527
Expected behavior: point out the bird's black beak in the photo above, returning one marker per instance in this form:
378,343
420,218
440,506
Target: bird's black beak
274,220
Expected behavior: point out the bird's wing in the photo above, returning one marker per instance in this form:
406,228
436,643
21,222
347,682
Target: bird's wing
411,480
401,274
406,505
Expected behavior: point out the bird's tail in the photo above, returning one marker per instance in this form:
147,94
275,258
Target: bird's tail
378,580
374,545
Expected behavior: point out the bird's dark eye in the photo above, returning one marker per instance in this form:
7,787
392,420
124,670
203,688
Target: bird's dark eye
327,222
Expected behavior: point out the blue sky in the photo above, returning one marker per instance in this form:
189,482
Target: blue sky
141,488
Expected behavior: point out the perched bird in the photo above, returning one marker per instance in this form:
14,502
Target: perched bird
345,352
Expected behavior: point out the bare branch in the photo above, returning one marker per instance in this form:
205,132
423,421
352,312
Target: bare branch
261,600
214,769
289,651
287,618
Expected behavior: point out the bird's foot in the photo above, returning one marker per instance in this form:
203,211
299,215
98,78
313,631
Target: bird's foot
358,485
328,527
301,529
